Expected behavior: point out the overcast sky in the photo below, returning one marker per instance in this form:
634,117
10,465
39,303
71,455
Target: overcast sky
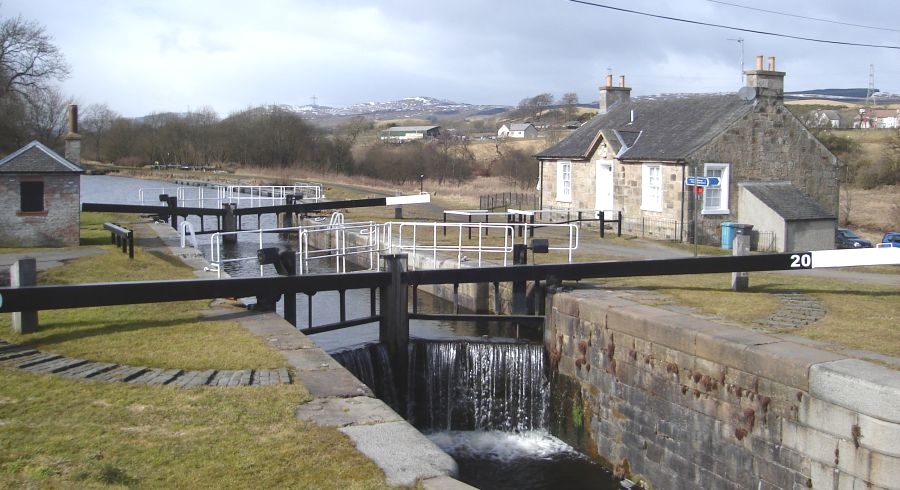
178,55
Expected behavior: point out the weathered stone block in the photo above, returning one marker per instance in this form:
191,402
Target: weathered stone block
878,435
826,417
858,385
884,470
785,361
819,446
823,475
727,345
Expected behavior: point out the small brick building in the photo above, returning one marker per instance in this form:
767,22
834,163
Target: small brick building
40,194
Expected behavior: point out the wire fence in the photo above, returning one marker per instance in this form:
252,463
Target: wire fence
504,200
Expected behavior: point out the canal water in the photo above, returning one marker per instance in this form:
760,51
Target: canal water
476,391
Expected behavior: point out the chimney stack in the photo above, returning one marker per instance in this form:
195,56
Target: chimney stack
768,83
610,95
73,139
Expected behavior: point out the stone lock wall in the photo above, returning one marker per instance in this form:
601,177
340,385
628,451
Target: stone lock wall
56,226
681,402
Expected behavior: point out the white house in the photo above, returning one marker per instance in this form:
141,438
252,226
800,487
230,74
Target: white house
518,130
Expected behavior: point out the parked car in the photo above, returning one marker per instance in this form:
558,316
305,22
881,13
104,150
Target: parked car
847,239
891,239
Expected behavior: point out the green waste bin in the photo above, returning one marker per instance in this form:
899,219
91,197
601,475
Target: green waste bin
727,234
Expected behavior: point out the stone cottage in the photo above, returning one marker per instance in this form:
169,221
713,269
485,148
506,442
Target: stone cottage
635,156
40,194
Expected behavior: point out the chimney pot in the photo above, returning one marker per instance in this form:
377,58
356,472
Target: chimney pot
759,62
609,80
621,80
771,63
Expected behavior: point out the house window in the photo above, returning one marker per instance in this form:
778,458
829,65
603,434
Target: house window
651,187
715,198
564,181
32,196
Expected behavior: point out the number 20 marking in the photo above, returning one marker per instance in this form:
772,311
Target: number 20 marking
801,261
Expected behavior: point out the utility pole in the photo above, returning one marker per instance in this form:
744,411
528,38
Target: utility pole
740,41
314,100
870,93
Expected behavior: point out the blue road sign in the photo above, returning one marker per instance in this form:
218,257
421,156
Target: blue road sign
703,181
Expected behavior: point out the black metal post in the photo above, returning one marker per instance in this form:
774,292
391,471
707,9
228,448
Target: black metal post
393,329
519,299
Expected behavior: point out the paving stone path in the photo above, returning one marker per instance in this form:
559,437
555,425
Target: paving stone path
797,310
34,361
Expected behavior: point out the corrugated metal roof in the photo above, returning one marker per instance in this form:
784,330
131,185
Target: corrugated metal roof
519,126
787,200
411,129
664,128
35,158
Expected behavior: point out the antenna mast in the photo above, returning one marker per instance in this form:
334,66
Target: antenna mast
870,93
740,41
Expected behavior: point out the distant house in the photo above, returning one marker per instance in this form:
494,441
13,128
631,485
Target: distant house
635,155
886,118
402,134
824,119
877,119
517,130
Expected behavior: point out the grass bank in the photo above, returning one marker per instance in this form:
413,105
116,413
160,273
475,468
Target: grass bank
56,432
858,316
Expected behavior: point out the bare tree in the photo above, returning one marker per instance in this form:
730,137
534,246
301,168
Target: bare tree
45,117
540,103
97,120
570,102
28,58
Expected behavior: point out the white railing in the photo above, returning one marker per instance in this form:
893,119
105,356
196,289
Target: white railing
272,195
201,197
311,192
242,195
151,195
416,237
186,227
423,237
336,232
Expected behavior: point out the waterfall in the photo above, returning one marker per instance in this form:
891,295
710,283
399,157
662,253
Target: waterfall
462,385
372,366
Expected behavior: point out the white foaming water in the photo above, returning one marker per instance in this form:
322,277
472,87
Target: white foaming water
503,446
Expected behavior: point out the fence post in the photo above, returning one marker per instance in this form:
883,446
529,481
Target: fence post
23,273
602,223
740,281
130,244
620,224
229,223
393,329
172,202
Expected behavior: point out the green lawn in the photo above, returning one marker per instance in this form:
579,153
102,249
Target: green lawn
858,316
61,433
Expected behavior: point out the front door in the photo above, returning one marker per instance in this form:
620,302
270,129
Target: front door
604,187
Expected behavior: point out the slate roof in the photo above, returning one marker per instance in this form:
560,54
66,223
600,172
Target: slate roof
665,128
35,158
787,201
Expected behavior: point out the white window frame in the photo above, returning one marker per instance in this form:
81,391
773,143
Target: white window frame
724,186
564,181
651,195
